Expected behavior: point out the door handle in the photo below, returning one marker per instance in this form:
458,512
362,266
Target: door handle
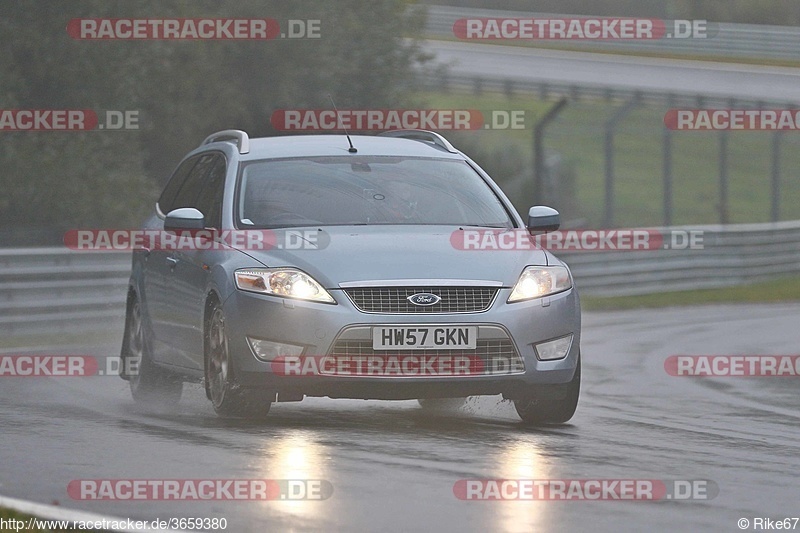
173,261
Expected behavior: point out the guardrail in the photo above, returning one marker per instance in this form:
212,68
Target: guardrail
55,290
731,255
445,81
740,41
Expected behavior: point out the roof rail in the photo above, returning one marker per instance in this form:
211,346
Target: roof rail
241,138
421,135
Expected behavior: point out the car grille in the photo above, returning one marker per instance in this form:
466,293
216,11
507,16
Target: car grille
498,356
394,300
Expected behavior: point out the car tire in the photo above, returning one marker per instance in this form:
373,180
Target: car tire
441,404
227,397
149,384
551,404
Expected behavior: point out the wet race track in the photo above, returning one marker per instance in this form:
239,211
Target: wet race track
393,467
726,80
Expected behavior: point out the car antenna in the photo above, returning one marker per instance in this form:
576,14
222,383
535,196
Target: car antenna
352,148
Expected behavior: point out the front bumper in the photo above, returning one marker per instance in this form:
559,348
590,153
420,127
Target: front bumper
317,327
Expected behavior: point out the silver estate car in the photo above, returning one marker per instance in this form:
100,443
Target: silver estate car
335,265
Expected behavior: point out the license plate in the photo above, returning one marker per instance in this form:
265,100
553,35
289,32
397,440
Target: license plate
424,337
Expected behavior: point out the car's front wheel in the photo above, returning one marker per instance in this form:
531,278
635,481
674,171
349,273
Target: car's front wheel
149,384
551,404
227,397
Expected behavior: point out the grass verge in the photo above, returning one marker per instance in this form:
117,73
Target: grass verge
785,289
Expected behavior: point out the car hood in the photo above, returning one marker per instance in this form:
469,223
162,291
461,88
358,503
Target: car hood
372,253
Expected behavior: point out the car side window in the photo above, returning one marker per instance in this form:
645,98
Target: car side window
209,201
166,201
192,186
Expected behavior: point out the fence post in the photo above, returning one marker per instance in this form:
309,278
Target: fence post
776,176
723,177
611,125
668,168
538,151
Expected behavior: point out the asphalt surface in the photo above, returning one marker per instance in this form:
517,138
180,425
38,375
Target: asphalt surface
656,74
393,466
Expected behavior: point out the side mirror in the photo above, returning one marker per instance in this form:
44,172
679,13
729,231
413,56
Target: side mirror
542,219
185,218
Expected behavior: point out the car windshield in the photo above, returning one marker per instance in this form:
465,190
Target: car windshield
359,190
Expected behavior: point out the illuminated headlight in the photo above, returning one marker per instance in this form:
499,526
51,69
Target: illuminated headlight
554,349
269,351
286,282
539,281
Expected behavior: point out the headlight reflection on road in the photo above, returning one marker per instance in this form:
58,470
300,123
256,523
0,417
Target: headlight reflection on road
523,460
296,456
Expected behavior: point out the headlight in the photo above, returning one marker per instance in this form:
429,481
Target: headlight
539,281
286,282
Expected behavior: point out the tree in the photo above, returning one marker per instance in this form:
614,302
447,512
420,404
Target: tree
182,91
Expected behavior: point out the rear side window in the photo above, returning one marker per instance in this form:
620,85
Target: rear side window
193,185
210,200
167,200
